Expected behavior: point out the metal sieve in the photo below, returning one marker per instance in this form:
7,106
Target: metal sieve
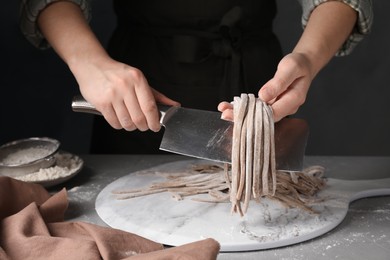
28,155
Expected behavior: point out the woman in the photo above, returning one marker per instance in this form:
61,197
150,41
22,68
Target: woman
198,53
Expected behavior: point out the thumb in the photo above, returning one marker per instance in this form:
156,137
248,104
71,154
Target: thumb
268,92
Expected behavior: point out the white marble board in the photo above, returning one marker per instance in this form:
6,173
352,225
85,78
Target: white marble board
268,224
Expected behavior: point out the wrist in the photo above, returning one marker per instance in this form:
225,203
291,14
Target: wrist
308,61
84,57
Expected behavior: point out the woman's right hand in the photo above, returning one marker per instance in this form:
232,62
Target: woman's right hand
121,93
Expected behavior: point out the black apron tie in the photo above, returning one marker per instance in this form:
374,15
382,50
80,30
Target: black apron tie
231,42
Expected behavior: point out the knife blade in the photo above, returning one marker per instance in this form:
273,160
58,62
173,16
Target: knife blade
203,134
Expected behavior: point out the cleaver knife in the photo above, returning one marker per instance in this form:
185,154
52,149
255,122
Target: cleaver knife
203,134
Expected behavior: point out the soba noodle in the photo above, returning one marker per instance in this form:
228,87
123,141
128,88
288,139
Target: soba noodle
252,174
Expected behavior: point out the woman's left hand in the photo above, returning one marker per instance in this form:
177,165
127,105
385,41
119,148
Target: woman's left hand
286,91
328,27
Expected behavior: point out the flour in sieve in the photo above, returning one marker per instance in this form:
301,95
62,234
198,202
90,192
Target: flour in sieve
66,164
24,156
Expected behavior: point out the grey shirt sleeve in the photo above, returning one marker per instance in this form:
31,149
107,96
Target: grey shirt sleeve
363,25
28,15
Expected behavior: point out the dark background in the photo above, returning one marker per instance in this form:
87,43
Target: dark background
348,106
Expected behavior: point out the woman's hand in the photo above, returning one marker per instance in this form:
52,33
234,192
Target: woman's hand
121,93
286,91
329,26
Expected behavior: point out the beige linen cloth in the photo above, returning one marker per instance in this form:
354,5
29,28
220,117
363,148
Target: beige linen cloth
32,226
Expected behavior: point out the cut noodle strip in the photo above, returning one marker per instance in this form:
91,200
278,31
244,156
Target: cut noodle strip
239,115
272,170
258,151
249,150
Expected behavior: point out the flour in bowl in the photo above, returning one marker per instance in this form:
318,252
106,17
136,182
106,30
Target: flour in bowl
66,165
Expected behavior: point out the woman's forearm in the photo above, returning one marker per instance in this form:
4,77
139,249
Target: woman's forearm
120,92
65,28
329,26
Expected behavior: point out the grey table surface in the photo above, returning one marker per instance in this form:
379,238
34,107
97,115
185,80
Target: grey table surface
364,233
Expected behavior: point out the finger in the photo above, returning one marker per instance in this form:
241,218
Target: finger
110,116
134,109
162,99
148,105
227,110
224,106
285,75
289,102
227,115
274,87
124,117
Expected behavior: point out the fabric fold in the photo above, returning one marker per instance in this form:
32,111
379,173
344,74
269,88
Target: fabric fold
32,226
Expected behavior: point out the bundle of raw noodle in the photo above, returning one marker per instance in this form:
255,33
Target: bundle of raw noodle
253,152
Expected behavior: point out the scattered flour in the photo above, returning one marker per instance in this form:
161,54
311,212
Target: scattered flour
74,189
66,165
